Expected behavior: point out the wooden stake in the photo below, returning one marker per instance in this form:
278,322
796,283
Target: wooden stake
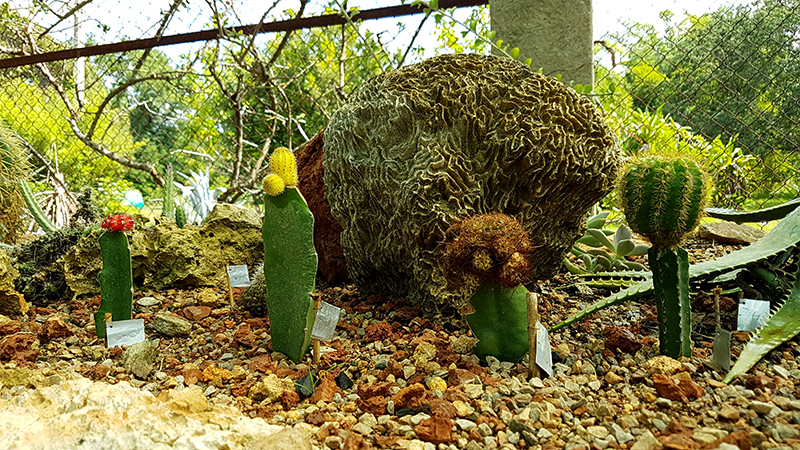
717,291
315,342
230,295
533,318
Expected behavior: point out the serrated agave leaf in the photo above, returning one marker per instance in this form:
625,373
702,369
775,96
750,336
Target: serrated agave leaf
762,215
625,247
623,233
639,249
620,274
783,325
602,238
636,291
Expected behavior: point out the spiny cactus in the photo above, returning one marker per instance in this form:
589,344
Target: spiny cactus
13,167
290,260
663,199
489,252
116,277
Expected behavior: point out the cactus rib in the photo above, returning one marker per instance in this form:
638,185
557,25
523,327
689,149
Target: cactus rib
35,209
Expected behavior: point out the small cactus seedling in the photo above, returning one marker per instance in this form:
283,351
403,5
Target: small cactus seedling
663,199
116,278
490,251
290,260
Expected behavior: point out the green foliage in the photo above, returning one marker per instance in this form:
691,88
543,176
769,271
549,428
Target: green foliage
116,280
13,167
34,208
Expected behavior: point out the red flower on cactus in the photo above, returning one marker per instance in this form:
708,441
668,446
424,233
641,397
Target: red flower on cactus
118,222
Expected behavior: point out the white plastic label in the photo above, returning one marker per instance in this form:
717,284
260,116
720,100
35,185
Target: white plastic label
238,276
325,323
752,314
125,332
544,355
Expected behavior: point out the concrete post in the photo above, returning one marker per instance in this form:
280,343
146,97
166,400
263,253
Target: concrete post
556,34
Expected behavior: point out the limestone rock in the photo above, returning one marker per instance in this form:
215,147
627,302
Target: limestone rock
170,325
138,359
82,414
327,230
730,233
11,301
270,388
419,148
164,255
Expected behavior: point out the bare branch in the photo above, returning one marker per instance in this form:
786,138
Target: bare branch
160,32
64,17
414,38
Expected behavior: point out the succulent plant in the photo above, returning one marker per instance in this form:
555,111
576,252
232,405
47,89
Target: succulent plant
290,260
13,167
35,209
116,277
489,252
663,199
605,255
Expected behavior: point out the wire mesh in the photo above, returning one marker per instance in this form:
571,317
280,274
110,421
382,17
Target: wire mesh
721,84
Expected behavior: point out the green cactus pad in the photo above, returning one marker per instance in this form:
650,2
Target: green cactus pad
500,322
290,268
663,199
116,280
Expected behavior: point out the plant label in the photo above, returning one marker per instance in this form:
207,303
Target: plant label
752,314
238,276
125,332
326,321
722,349
544,355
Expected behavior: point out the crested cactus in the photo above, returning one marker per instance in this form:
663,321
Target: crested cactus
290,260
663,199
116,277
490,253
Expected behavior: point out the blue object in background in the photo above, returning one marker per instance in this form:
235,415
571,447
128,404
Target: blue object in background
133,198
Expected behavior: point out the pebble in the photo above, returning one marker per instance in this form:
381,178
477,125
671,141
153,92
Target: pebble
148,301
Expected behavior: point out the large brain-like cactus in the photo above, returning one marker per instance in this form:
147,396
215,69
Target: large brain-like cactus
419,148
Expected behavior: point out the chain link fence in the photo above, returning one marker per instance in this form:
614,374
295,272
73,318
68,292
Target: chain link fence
722,85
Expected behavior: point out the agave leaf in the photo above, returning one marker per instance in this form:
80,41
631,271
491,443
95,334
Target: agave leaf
784,236
784,324
762,215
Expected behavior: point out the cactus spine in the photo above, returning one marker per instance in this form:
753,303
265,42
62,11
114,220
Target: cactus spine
663,198
116,277
290,260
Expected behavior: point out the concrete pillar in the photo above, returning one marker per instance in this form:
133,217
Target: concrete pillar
556,34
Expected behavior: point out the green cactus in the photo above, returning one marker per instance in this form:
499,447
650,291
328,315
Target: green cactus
489,252
180,217
35,209
290,261
663,199
116,277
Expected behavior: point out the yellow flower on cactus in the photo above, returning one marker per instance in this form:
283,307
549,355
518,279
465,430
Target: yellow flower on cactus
273,184
283,164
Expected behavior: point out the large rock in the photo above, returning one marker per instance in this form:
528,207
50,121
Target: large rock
11,301
419,148
164,255
327,230
730,233
81,414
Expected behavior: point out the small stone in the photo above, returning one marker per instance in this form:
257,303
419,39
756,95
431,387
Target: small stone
597,431
484,429
196,313
761,407
19,347
537,383
646,442
269,388
435,429
728,412
138,359
54,327
409,371
170,325
462,344
148,301
613,378
437,383
662,365
544,433
465,425
473,391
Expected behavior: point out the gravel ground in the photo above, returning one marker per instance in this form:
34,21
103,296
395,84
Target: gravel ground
396,378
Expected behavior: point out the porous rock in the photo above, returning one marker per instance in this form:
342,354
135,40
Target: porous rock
164,255
11,301
171,325
82,414
730,233
419,148
327,230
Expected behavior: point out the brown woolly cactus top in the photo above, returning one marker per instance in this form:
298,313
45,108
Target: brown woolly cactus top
488,248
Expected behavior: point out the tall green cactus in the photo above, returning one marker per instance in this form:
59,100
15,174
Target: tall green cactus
663,198
35,209
290,260
116,277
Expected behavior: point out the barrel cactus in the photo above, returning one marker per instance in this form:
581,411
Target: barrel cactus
663,198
